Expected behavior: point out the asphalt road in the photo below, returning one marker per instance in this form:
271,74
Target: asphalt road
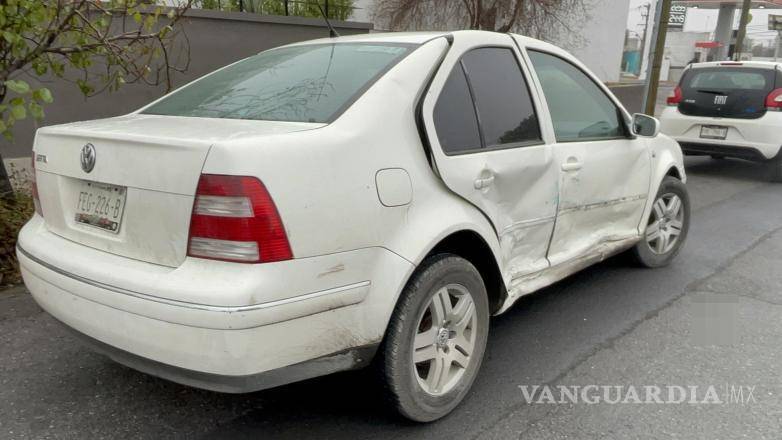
712,318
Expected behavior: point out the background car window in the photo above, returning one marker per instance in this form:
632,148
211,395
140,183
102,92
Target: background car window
502,98
309,83
454,115
579,109
736,79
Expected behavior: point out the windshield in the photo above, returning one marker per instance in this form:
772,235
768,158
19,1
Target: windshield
311,83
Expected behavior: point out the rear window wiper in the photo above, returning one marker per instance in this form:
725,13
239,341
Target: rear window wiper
716,92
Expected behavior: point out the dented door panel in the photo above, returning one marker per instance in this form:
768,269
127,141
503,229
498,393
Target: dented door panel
603,199
516,187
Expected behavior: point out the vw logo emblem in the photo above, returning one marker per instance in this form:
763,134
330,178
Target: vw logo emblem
88,158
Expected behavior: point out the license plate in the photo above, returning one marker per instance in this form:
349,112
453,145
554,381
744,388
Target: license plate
100,205
714,132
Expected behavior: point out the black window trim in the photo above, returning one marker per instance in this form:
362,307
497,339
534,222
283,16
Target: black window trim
625,123
500,147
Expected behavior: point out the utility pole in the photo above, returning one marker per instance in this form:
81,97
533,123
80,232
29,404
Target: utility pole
648,7
742,30
664,13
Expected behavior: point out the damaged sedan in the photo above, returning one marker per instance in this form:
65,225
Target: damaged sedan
341,203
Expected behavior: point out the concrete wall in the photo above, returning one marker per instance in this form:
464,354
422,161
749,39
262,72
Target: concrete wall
216,39
680,46
603,37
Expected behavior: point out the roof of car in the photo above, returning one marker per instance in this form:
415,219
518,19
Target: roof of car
380,37
755,64
393,37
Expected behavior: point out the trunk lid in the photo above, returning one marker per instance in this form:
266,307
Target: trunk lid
137,199
727,91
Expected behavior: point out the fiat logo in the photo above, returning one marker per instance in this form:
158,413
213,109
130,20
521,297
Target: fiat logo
88,158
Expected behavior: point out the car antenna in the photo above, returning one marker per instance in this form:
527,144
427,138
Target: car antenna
332,32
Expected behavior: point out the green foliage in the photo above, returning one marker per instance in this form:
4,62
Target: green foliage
337,9
103,43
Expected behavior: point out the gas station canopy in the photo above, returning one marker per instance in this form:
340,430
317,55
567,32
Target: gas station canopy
715,4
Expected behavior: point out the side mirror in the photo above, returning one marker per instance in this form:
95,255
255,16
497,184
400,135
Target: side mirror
646,126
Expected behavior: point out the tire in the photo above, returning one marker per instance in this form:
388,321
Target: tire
717,157
776,169
411,388
654,251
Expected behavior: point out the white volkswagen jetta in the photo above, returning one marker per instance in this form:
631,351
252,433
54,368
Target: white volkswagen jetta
343,202
729,109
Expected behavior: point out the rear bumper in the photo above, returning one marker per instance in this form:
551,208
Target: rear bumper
748,153
752,139
345,360
222,347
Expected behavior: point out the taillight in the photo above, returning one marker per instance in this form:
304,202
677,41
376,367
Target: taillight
34,189
774,100
675,97
235,219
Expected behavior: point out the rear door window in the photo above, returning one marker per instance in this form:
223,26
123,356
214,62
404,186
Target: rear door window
726,91
486,104
454,115
502,98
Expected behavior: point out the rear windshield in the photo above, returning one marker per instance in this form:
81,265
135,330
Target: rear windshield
310,83
727,92
731,79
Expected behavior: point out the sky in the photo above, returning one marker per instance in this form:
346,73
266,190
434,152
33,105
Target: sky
705,20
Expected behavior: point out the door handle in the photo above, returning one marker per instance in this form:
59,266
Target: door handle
572,164
484,182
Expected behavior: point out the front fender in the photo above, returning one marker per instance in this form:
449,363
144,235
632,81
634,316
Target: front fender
666,156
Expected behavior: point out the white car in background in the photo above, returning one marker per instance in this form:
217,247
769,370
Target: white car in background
729,109
338,203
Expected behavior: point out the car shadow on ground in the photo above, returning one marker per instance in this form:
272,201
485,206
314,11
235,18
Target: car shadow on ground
730,168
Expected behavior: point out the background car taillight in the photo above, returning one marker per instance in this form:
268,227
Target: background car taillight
774,100
34,188
675,97
235,219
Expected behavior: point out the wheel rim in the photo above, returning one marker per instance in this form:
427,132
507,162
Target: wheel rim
445,339
665,224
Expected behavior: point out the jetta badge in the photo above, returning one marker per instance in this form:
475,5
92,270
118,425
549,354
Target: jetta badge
88,158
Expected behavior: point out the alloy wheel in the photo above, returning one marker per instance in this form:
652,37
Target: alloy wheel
665,224
445,339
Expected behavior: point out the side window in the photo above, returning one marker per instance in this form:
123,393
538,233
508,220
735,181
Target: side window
496,94
454,115
580,110
502,98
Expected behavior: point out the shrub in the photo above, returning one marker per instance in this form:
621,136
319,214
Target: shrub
14,213
15,209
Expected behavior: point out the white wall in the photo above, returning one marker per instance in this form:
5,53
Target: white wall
680,46
603,37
